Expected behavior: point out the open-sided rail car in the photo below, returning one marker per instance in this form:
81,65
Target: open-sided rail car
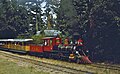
15,45
52,47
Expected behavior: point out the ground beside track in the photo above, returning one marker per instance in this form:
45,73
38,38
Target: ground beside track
8,66
88,68
42,66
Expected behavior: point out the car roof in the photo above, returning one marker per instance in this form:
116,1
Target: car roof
15,40
45,38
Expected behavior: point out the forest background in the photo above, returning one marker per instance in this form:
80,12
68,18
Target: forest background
97,22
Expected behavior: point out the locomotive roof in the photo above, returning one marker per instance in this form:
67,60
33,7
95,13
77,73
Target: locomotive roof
48,38
15,40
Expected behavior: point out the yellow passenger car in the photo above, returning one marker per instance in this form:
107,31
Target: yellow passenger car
16,45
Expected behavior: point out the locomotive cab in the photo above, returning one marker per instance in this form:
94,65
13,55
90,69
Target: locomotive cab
51,43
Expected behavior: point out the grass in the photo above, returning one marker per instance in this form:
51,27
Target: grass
8,67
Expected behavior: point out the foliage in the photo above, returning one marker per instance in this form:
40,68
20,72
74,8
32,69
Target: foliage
106,28
66,17
97,21
13,19
34,11
37,38
102,30
100,26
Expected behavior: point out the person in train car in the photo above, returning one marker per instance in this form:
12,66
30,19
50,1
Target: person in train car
66,42
79,44
45,42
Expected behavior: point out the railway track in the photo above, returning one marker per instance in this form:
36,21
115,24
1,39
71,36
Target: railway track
57,68
106,66
65,69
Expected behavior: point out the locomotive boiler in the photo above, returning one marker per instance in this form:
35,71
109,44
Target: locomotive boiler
52,47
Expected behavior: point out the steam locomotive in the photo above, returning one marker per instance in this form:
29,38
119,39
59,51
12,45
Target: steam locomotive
52,47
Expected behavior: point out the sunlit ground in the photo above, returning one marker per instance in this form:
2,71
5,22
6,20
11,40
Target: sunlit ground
7,67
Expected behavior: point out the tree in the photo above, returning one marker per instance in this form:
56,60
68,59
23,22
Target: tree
34,11
66,18
13,19
99,21
106,18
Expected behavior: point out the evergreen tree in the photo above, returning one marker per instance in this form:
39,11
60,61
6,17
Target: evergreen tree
34,11
13,19
67,18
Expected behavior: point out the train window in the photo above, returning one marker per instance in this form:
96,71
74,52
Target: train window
50,42
66,42
45,43
57,41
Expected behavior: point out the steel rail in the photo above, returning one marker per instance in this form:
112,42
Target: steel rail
48,65
106,66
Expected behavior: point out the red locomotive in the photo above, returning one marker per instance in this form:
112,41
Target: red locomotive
52,47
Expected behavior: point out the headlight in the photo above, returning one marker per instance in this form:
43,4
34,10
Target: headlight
77,52
74,47
87,51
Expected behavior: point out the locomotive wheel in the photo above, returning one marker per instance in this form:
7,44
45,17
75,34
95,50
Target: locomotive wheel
69,60
78,61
